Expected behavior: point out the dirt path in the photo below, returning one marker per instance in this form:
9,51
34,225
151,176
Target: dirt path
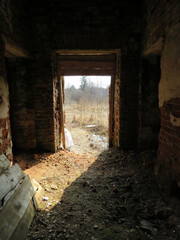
112,196
87,140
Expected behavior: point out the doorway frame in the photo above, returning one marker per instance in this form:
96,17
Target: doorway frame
115,79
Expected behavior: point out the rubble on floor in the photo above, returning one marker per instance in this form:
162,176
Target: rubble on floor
113,196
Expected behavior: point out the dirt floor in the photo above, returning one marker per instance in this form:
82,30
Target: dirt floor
110,196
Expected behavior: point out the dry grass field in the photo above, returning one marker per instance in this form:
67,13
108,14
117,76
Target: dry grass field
88,113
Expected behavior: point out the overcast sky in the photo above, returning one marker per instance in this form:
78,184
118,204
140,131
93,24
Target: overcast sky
100,81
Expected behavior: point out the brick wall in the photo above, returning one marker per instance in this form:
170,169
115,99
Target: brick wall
66,25
149,114
5,130
116,129
168,164
57,115
56,104
162,36
15,21
42,76
84,25
14,26
22,104
54,25
130,68
159,17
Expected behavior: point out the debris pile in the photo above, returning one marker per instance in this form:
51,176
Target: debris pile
113,196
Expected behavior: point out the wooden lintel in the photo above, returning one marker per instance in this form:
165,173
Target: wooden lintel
98,58
86,72
87,51
86,65
101,65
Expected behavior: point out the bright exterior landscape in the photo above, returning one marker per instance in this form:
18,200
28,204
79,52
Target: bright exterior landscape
87,112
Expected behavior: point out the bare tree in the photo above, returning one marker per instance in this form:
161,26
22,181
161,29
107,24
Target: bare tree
84,83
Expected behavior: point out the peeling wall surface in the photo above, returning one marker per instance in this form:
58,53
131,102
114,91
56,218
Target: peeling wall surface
5,130
168,163
4,98
169,86
161,36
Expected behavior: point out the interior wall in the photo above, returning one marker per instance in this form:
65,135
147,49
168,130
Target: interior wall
93,26
115,84
56,104
14,28
85,25
168,164
162,36
5,129
15,21
22,114
42,75
129,97
149,115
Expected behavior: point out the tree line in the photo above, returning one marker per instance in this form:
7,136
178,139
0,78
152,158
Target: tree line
87,92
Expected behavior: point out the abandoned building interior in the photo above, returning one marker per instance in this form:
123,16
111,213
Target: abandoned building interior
137,43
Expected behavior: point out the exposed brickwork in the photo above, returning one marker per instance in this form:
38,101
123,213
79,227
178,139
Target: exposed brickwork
129,99
14,26
116,132
168,164
57,115
84,25
22,104
117,102
161,36
149,114
42,27
93,26
42,76
14,21
159,16
5,130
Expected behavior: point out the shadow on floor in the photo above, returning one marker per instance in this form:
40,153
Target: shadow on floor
116,198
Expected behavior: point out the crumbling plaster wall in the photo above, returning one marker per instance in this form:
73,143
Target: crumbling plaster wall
162,37
169,86
14,30
168,164
5,130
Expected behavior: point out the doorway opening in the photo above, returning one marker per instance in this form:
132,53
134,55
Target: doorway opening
88,64
87,112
